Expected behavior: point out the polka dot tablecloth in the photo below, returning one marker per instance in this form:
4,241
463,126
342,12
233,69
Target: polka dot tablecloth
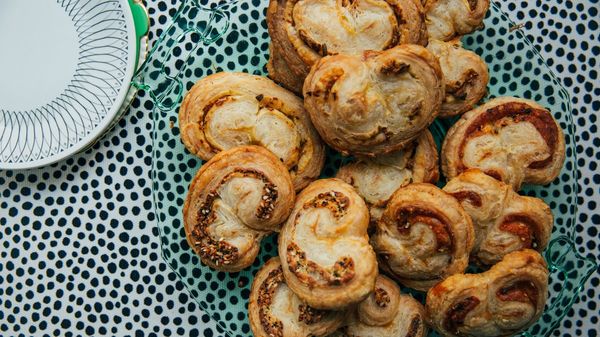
80,251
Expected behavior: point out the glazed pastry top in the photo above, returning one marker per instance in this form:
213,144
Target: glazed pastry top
226,110
326,257
375,103
423,236
274,310
236,198
511,139
506,299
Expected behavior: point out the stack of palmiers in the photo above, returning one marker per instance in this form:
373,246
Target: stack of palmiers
373,74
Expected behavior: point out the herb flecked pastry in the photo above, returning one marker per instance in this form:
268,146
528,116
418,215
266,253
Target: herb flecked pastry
376,179
386,312
303,31
274,310
502,301
423,236
324,247
511,139
448,19
504,220
465,74
376,103
226,110
236,199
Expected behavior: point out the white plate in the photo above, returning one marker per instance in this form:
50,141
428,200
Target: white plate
65,72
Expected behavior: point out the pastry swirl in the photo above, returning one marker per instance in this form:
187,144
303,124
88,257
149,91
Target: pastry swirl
448,19
502,301
423,236
504,220
274,310
299,39
376,179
237,198
375,103
386,312
225,110
465,74
324,248
511,139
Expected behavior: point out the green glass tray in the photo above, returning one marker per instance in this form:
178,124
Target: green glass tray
212,36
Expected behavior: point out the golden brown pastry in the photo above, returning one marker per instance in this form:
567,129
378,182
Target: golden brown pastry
423,236
511,139
324,248
386,313
447,19
236,198
225,110
506,299
303,31
376,179
274,310
279,71
375,103
465,74
504,220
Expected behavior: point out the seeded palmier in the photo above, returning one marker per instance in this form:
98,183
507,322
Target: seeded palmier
465,74
511,139
504,220
448,19
502,301
376,179
375,103
303,31
386,312
324,247
423,236
237,198
274,310
226,110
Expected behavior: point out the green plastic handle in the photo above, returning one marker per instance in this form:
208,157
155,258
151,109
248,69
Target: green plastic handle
141,22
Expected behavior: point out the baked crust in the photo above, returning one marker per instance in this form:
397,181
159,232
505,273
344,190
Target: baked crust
376,179
274,310
502,301
236,199
465,75
353,26
226,109
504,220
386,312
376,103
423,236
448,19
511,139
324,247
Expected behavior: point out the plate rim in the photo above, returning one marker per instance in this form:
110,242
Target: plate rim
107,121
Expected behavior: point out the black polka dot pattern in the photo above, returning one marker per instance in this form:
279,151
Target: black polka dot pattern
81,250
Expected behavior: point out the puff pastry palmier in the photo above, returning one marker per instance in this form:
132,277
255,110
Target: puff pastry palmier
502,301
447,19
386,312
376,179
511,139
303,31
324,247
465,74
375,103
225,110
504,220
236,198
423,236
274,310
